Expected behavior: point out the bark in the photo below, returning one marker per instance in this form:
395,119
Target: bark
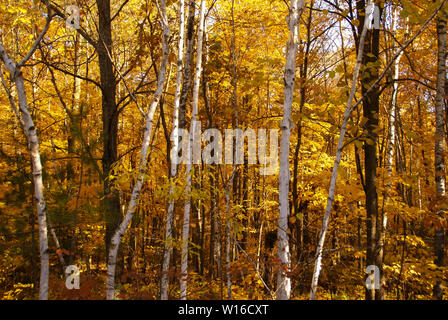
109,118
30,131
440,95
334,175
371,113
283,280
72,140
349,109
439,162
303,97
231,180
245,204
75,107
189,172
212,170
173,170
188,64
119,233
228,242
389,150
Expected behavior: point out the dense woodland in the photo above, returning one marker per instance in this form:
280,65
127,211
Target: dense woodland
92,111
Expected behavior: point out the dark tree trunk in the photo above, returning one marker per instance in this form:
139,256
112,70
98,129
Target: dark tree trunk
110,119
371,113
186,84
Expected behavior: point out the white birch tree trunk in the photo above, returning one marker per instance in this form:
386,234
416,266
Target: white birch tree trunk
392,113
391,144
283,280
229,184
119,233
334,176
348,110
439,159
440,105
188,171
393,103
173,172
33,146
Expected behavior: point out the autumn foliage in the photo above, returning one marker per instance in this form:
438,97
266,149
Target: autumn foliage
243,53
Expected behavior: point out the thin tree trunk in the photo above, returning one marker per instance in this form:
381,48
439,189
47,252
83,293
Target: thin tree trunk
303,97
188,64
283,280
230,183
119,233
371,113
173,173
439,145
50,226
389,150
109,118
330,200
72,140
33,146
191,151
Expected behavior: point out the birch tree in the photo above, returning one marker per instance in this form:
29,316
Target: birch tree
348,110
389,158
173,169
149,116
439,159
334,175
188,64
283,280
229,183
191,158
103,45
30,131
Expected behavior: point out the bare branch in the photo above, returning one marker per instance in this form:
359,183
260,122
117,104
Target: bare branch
37,41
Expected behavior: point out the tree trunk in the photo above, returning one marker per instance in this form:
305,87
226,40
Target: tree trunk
439,145
389,158
119,233
109,117
283,280
303,97
189,172
334,175
188,64
371,113
173,172
33,146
